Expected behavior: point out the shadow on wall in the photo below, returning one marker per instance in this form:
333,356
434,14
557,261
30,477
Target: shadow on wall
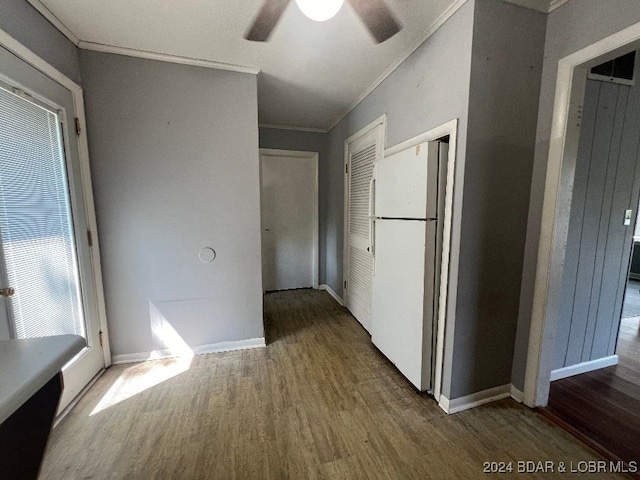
271,91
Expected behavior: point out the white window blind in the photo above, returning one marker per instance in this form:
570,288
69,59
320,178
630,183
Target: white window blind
36,227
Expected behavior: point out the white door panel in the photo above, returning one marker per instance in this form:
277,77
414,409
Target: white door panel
402,296
288,211
362,154
406,183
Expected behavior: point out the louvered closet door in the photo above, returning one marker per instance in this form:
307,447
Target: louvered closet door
362,154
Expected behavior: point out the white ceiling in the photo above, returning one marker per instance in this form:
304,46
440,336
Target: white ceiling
311,73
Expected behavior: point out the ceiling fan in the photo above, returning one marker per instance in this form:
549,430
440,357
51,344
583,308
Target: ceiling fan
374,14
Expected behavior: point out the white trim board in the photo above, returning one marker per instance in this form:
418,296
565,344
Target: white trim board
446,15
331,292
475,399
516,394
297,129
198,350
584,367
543,6
54,20
163,57
555,4
570,84
480,398
11,44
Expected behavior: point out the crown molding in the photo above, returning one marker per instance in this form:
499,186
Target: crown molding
541,6
446,15
299,129
544,6
555,4
55,21
163,57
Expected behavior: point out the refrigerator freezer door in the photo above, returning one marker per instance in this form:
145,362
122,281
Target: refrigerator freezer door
406,183
403,286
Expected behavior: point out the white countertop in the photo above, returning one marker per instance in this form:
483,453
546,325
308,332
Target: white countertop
27,365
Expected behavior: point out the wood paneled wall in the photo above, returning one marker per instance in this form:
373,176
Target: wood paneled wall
607,182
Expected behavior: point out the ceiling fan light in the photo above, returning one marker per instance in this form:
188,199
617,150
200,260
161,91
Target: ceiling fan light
320,10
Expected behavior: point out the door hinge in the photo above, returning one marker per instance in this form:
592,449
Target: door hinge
78,127
101,338
346,168
90,238
7,292
345,284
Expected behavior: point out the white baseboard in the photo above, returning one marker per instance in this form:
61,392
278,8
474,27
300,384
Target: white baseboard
330,291
197,350
475,399
516,394
584,367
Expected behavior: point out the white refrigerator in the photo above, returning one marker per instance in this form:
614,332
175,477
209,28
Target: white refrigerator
405,245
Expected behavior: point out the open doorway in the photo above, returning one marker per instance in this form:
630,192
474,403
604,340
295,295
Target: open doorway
595,378
289,217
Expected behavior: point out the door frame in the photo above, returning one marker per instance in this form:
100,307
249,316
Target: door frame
314,156
556,210
47,69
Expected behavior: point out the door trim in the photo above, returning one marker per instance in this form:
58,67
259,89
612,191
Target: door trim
570,85
314,156
47,69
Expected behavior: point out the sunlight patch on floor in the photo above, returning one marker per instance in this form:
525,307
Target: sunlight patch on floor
142,376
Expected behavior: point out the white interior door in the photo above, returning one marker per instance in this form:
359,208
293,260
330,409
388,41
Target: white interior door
362,153
289,219
45,252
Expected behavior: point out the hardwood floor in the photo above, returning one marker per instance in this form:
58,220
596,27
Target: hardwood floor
603,407
320,402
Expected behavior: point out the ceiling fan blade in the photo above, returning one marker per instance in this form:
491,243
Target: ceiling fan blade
266,20
377,17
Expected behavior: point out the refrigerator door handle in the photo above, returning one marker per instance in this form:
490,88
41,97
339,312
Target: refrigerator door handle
371,217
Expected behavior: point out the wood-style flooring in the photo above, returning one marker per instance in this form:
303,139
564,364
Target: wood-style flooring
319,402
603,407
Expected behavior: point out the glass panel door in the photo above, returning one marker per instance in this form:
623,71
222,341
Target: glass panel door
45,254
36,223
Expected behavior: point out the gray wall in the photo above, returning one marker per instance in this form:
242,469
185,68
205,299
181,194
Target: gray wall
281,139
24,23
174,152
508,44
599,244
429,89
571,27
460,73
